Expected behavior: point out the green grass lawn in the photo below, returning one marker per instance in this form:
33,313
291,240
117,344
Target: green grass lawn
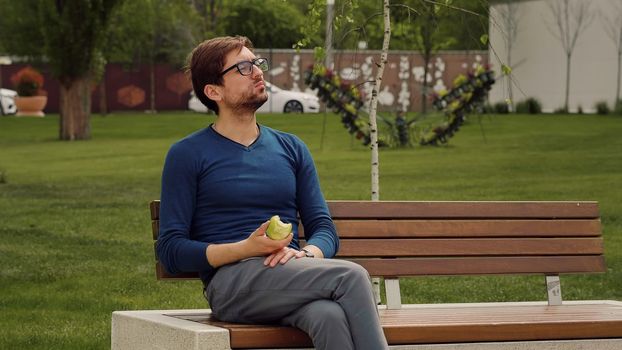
75,239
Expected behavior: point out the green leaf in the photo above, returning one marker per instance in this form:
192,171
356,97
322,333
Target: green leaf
484,39
506,70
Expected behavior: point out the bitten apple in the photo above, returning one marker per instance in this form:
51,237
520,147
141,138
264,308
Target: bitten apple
277,229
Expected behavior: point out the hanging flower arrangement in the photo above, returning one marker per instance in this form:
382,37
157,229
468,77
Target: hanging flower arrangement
467,95
343,98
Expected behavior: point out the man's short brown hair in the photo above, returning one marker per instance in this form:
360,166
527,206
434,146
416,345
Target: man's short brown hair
207,60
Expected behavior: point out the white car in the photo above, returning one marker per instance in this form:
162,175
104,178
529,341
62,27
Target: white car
7,102
279,101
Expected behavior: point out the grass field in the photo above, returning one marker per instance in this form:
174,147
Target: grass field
75,239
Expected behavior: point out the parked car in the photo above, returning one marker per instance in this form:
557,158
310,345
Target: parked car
7,102
279,101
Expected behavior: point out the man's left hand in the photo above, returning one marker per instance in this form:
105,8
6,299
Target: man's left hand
282,256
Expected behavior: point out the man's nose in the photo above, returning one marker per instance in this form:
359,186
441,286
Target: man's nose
256,72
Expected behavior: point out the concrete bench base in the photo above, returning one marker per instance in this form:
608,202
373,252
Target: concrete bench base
159,329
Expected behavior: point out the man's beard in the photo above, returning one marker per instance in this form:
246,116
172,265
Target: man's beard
249,102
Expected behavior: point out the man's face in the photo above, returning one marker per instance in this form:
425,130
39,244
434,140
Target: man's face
243,93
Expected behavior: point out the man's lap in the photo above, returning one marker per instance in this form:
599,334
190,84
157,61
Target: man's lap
250,292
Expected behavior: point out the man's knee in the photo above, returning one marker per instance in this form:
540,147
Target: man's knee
323,315
357,274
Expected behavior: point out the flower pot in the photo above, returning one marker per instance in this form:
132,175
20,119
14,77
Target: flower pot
31,106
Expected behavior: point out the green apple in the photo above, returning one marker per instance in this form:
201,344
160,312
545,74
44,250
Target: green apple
277,229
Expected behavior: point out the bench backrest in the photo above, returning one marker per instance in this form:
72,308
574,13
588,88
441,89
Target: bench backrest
394,238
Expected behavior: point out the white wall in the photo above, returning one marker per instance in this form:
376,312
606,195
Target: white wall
539,61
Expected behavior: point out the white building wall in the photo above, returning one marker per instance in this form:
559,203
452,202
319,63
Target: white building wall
539,60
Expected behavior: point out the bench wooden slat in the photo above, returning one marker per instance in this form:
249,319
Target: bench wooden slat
457,228
425,325
447,210
483,265
457,210
467,228
468,247
462,266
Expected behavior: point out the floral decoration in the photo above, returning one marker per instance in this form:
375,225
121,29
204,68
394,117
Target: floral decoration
467,95
28,82
343,98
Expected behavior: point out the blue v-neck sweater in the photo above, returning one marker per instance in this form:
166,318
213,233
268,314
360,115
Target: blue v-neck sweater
215,190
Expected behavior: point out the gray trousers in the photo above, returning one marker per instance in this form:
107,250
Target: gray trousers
331,300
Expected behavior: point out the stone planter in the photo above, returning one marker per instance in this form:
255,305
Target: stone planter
30,106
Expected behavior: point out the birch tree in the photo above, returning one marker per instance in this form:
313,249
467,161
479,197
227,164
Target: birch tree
613,27
373,105
570,19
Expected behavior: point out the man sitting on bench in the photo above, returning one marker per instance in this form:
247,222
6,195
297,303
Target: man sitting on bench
221,184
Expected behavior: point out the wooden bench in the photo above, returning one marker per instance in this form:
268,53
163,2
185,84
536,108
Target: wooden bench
401,239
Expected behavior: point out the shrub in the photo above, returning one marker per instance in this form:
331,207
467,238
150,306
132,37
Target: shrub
501,108
560,110
530,105
602,108
580,110
618,108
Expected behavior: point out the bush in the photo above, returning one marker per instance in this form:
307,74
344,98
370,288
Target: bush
530,105
501,108
487,108
618,108
602,108
560,110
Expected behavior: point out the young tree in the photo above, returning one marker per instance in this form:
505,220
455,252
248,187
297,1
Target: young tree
427,41
152,31
570,19
613,26
373,105
510,16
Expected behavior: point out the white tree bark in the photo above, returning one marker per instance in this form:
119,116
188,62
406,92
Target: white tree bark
373,125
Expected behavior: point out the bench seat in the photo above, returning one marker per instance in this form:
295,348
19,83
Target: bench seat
593,325
454,324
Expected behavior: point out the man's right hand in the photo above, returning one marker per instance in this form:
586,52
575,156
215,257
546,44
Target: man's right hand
257,244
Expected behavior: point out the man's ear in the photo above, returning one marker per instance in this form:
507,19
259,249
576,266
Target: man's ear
213,92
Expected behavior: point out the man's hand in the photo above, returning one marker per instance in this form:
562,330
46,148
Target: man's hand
282,256
258,244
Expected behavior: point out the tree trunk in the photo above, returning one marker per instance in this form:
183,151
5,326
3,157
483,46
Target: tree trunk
424,92
103,103
373,125
618,79
509,76
152,88
566,104
75,110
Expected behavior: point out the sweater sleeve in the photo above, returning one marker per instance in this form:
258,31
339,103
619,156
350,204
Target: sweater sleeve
319,227
176,250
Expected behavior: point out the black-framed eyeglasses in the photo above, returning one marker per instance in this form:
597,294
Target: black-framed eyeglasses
246,67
